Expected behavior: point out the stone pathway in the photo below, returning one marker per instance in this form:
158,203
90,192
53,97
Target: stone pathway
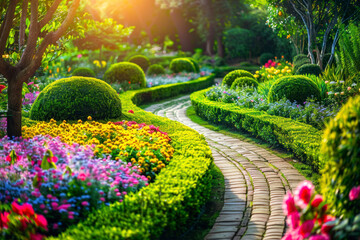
255,181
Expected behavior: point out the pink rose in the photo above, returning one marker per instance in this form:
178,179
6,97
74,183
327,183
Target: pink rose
318,199
293,220
303,194
319,237
287,236
289,204
354,193
306,228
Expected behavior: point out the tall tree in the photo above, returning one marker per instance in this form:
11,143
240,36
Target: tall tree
43,30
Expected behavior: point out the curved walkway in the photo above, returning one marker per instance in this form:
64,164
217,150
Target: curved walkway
255,181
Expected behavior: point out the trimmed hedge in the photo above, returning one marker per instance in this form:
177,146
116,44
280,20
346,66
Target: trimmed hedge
244,81
231,76
181,65
83,72
312,69
156,69
125,72
195,63
165,208
299,57
141,61
222,71
76,98
302,139
298,64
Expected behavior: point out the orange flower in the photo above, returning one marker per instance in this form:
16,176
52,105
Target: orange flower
288,36
69,69
275,57
57,70
50,71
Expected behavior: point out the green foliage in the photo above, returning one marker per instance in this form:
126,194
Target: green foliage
76,98
230,77
265,57
125,72
168,206
141,61
83,72
238,42
221,72
155,69
294,88
195,63
299,63
326,60
299,57
244,81
340,156
312,69
182,65
302,139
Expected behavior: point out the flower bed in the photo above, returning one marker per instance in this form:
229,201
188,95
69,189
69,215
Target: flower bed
300,138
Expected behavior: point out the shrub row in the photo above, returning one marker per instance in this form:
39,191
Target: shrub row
166,207
300,138
222,71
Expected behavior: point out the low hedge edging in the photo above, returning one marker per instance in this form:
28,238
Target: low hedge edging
302,139
165,207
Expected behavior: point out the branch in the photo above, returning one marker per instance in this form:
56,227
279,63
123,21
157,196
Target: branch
23,23
5,68
7,24
50,38
49,14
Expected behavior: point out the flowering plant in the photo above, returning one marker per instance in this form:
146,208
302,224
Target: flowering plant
274,69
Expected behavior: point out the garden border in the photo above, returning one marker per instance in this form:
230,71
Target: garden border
302,139
165,207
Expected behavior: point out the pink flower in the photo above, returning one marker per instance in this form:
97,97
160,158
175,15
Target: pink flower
102,199
79,56
354,193
64,206
349,88
319,237
82,176
40,220
289,204
36,236
306,228
287,236
293,220
17,208
303,193
85,203
4,220
54,205
28,210
131,111
326,226
318,199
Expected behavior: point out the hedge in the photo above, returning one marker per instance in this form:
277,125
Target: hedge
166,207
222,71
302,139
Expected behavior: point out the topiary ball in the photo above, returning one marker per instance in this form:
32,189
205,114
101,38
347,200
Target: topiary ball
83,72
141,61
181,65
125,72
156,69
231,76
195,63
340,159
244,81
299,57
312,69
294,88
300,63
265,57
76,98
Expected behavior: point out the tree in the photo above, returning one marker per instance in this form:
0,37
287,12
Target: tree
36,32
322,20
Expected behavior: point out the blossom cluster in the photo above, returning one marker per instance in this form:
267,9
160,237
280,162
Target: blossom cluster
274,69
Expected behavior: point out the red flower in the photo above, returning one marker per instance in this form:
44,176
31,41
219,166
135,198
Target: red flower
36,236
4,220
18,209
326,227
316,201
2,87
306,228
28,210
131,111
40,220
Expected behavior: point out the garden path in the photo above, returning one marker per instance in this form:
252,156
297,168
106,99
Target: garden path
255,181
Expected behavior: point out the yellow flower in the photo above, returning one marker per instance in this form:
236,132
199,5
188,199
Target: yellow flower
103,64
257,72
89,118
256,76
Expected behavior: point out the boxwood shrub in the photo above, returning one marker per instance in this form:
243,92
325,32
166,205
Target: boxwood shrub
231,76
156,69
83,72
141,61
76,98
182,65
244,81
302,139
125,72
312,69
166,207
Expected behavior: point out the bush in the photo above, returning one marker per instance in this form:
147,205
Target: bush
294,88
155,69
83,72
125,72
76,98
299,57
182,65
265,57
311,69
141,61
238,42
195,63
300,63
231,76
244,81
340,157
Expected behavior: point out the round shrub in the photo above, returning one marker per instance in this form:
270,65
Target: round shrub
195,63
294,88
244,81
76,98
125,72
299,57
300,63
231,76
265,57
312,69
340,159
181,65
155,69
141,61
83,72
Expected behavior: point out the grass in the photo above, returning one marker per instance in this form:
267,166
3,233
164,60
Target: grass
304,169
211,210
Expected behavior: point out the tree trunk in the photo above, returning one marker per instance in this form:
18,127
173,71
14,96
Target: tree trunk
14,107
220,47
182,29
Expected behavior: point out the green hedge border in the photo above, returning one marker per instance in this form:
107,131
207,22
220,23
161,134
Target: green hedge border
167,206
302,139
